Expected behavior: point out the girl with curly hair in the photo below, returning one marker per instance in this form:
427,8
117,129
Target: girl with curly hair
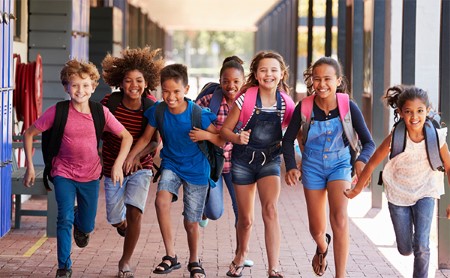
135,73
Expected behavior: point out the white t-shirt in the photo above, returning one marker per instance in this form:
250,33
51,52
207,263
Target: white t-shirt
408,177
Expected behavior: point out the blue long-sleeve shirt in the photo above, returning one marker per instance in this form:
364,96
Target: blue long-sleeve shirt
368,145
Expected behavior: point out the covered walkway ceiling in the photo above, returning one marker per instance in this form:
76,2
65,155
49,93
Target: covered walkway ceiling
231,15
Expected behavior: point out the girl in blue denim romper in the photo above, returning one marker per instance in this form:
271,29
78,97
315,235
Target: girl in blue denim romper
325,167
256,156
411,185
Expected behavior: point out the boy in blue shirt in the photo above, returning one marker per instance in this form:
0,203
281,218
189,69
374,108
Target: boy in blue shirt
182,163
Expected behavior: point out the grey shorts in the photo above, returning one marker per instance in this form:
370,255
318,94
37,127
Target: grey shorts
133,192
194,196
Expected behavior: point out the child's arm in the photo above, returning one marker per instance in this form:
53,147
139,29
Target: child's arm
116,171
446,160
211,134
30,175
227,130
140,145
380,154
151,147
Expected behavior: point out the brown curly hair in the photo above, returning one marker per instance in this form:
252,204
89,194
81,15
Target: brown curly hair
148,62
80,68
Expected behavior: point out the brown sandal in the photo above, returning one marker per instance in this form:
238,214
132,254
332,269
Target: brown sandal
275,274
319,262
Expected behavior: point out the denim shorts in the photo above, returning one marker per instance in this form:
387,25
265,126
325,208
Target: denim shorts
319,168
244,173
134,192
194,196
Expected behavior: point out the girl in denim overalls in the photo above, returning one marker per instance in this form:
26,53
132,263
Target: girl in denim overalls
256,155
325,168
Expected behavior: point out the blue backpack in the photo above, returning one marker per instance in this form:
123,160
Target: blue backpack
432,124
217,95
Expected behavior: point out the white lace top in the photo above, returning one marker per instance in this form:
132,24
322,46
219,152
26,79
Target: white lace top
408,177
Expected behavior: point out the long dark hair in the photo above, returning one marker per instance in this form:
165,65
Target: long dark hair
308,75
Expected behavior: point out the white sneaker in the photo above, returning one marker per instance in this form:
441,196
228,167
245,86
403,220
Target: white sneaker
203,223
248,263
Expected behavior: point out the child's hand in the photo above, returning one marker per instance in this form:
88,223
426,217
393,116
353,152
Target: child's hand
128,165
117,175
136,166
29,178
244,137
448,212
292,176
198,134
352,193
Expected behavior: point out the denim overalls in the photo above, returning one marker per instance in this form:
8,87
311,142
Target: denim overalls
325,157
261,157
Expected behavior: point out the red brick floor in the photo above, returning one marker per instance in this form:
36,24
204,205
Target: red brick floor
367,257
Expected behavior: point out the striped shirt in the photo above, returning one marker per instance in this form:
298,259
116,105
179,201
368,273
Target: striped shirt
132,121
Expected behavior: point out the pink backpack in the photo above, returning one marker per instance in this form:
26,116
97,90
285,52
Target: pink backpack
250,102
345,115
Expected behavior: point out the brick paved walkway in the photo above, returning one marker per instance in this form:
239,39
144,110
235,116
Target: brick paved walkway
28,253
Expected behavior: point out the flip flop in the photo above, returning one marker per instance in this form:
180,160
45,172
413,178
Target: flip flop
125,274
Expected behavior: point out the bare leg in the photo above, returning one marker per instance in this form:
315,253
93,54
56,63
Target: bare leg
269,192
134,217
245,196
339,224
163,204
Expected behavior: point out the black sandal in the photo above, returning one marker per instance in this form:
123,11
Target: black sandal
321,267
196,268
174,264
275,274
237,268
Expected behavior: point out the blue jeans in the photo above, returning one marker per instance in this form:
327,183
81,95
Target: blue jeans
230,186
412,225
87,198
214,202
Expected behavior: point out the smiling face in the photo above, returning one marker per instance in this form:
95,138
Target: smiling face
133,84
325,80
80,89
414,113
231,82
269,73
173,92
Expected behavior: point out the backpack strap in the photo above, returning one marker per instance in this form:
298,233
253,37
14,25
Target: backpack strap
290,106
53,137
98,115
343,101
398,140
432,146
249,104
197,122
216,100
159,117
345,115
305,114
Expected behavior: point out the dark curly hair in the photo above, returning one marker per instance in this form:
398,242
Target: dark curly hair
397,96
148,62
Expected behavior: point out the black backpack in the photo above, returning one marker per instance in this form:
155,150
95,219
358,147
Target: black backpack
213,153
51,138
